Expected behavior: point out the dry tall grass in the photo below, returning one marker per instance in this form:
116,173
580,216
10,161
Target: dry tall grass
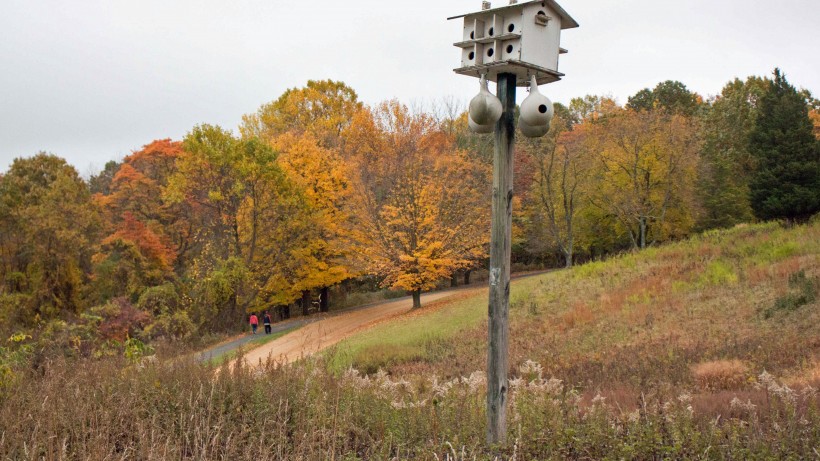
721,375
663,354
102,410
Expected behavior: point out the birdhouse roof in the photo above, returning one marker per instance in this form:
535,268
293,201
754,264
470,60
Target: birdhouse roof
566,20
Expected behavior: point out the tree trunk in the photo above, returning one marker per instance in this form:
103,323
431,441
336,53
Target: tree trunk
568,259
642,223
324,299
306,303
467,277
416,299
286,311
454,280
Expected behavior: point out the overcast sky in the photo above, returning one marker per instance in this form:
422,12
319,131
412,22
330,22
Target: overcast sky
94,80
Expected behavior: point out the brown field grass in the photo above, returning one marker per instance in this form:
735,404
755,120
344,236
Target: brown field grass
718,375
708,348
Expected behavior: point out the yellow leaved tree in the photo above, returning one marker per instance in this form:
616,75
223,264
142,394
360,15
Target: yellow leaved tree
646,172
420,214
323,259
306,127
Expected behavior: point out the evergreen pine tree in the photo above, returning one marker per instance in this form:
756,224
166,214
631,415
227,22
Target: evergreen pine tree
786,182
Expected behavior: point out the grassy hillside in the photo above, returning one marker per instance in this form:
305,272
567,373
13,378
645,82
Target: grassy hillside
708,348
745,296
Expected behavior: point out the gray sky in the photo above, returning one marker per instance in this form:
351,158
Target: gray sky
94,80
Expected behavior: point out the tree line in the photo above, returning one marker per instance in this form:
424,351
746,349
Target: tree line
317,189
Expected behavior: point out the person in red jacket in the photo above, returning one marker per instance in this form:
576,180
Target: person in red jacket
254,322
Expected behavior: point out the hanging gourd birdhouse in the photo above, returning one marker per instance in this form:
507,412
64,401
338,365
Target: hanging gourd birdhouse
520,38
485,110
536,113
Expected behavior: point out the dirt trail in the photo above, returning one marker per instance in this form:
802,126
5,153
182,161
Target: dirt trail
324,333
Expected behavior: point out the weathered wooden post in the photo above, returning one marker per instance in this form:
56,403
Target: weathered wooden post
513,45
500,251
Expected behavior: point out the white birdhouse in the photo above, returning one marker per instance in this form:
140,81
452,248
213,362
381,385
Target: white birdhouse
520,38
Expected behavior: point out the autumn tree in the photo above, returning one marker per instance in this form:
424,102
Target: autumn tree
590,108
786,182
726,161
420,216
476,151
321,177
48,227
646,173
148,237
306,126
323,109
244,206
563,161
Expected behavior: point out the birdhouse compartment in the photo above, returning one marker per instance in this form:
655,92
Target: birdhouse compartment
511,50
520,38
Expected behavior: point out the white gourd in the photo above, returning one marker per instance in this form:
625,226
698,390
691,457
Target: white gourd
537,109
485,108
532,131
479,129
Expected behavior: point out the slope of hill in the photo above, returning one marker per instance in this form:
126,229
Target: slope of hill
705,349
733,302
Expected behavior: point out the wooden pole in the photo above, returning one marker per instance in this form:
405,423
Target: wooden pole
500,252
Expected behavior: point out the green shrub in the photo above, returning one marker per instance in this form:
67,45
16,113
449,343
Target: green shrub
176,325
14,309
159,299
135,350
803,290
718,273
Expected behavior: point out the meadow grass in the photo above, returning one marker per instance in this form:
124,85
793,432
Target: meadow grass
639,320
397,342
662,354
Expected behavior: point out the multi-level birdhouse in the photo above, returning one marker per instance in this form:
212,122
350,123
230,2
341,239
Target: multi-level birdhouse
520,38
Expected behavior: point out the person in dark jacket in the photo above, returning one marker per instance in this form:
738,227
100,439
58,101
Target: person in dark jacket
267,322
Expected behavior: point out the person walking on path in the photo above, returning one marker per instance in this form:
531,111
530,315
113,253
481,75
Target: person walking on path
266,321
254,322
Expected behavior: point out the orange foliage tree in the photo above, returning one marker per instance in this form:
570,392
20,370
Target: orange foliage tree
321,176
146,234
814,115
323,109
419,213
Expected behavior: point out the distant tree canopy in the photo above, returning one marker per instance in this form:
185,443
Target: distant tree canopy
672,96
319,189
726,163
48,227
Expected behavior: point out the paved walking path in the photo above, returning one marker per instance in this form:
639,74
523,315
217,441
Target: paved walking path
318,332
319,335
236,343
